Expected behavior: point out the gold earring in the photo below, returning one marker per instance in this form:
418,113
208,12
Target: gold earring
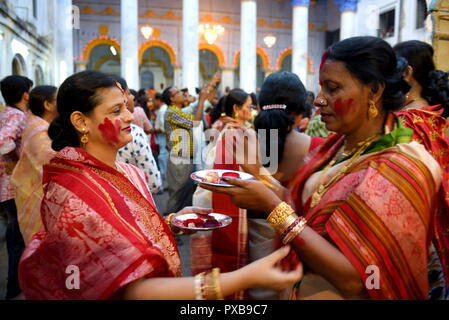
84,138
372,111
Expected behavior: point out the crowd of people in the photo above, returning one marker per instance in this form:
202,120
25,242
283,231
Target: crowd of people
350,196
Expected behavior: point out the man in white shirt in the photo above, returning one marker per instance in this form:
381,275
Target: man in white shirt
161,138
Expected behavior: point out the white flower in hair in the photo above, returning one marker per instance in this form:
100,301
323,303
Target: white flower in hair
274,106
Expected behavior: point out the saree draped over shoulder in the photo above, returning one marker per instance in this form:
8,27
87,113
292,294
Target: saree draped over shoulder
430,129
101,232
380,213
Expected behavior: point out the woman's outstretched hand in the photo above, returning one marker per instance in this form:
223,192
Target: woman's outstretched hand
248,194
266,272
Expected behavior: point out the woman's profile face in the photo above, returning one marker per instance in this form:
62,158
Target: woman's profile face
345,98
245,111
109,122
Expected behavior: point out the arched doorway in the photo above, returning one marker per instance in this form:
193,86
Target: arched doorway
156,69
208,65
103,54
18,65
105,58
284,62
39,76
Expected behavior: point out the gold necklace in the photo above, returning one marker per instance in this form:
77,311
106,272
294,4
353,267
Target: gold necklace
347,154
322,189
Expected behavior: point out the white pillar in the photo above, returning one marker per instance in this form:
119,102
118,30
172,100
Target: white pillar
348,20
300,39
177,81
248,43
190,51
130,43
227,78
63,40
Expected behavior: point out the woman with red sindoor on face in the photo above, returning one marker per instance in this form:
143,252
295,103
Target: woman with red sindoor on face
100,219
362,219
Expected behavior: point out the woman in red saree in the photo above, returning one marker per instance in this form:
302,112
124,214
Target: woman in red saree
366,198
103,237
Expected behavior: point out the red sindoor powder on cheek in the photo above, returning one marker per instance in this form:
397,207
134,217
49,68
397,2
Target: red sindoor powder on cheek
109,131
342,107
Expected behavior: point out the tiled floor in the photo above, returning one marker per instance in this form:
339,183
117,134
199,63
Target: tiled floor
161,202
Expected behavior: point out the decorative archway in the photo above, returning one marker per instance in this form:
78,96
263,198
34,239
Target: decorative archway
157,60
284,54
260,52
18,65
39,76
102,40
216,50
158,43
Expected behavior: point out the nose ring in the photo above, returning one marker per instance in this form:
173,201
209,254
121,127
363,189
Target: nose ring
322,101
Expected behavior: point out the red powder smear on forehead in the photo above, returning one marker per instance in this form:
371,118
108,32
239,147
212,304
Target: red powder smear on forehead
109,131
342,107
323,59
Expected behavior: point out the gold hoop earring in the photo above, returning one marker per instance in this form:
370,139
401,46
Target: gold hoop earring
84,139
372,110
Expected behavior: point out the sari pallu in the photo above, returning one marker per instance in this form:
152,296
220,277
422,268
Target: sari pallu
429,129
101,232
229,246
378,214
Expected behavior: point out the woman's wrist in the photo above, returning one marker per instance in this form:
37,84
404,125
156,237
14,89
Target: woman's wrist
243,278
271,203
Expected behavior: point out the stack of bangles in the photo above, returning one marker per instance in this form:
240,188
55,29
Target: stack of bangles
286,222
168,222
207,285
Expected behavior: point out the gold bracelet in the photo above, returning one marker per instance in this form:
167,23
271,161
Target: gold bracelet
217,287
278,216
168,222
286,224
211,285
208,287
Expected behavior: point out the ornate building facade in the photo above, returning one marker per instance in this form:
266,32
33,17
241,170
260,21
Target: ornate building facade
156,43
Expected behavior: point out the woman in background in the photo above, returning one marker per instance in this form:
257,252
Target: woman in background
36,152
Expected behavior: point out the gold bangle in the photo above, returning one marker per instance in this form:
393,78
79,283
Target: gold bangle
278,216
208,287
168,222
211,285
168,219
287,223
217,287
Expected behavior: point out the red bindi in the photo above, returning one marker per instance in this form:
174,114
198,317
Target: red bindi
110,131
342,107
